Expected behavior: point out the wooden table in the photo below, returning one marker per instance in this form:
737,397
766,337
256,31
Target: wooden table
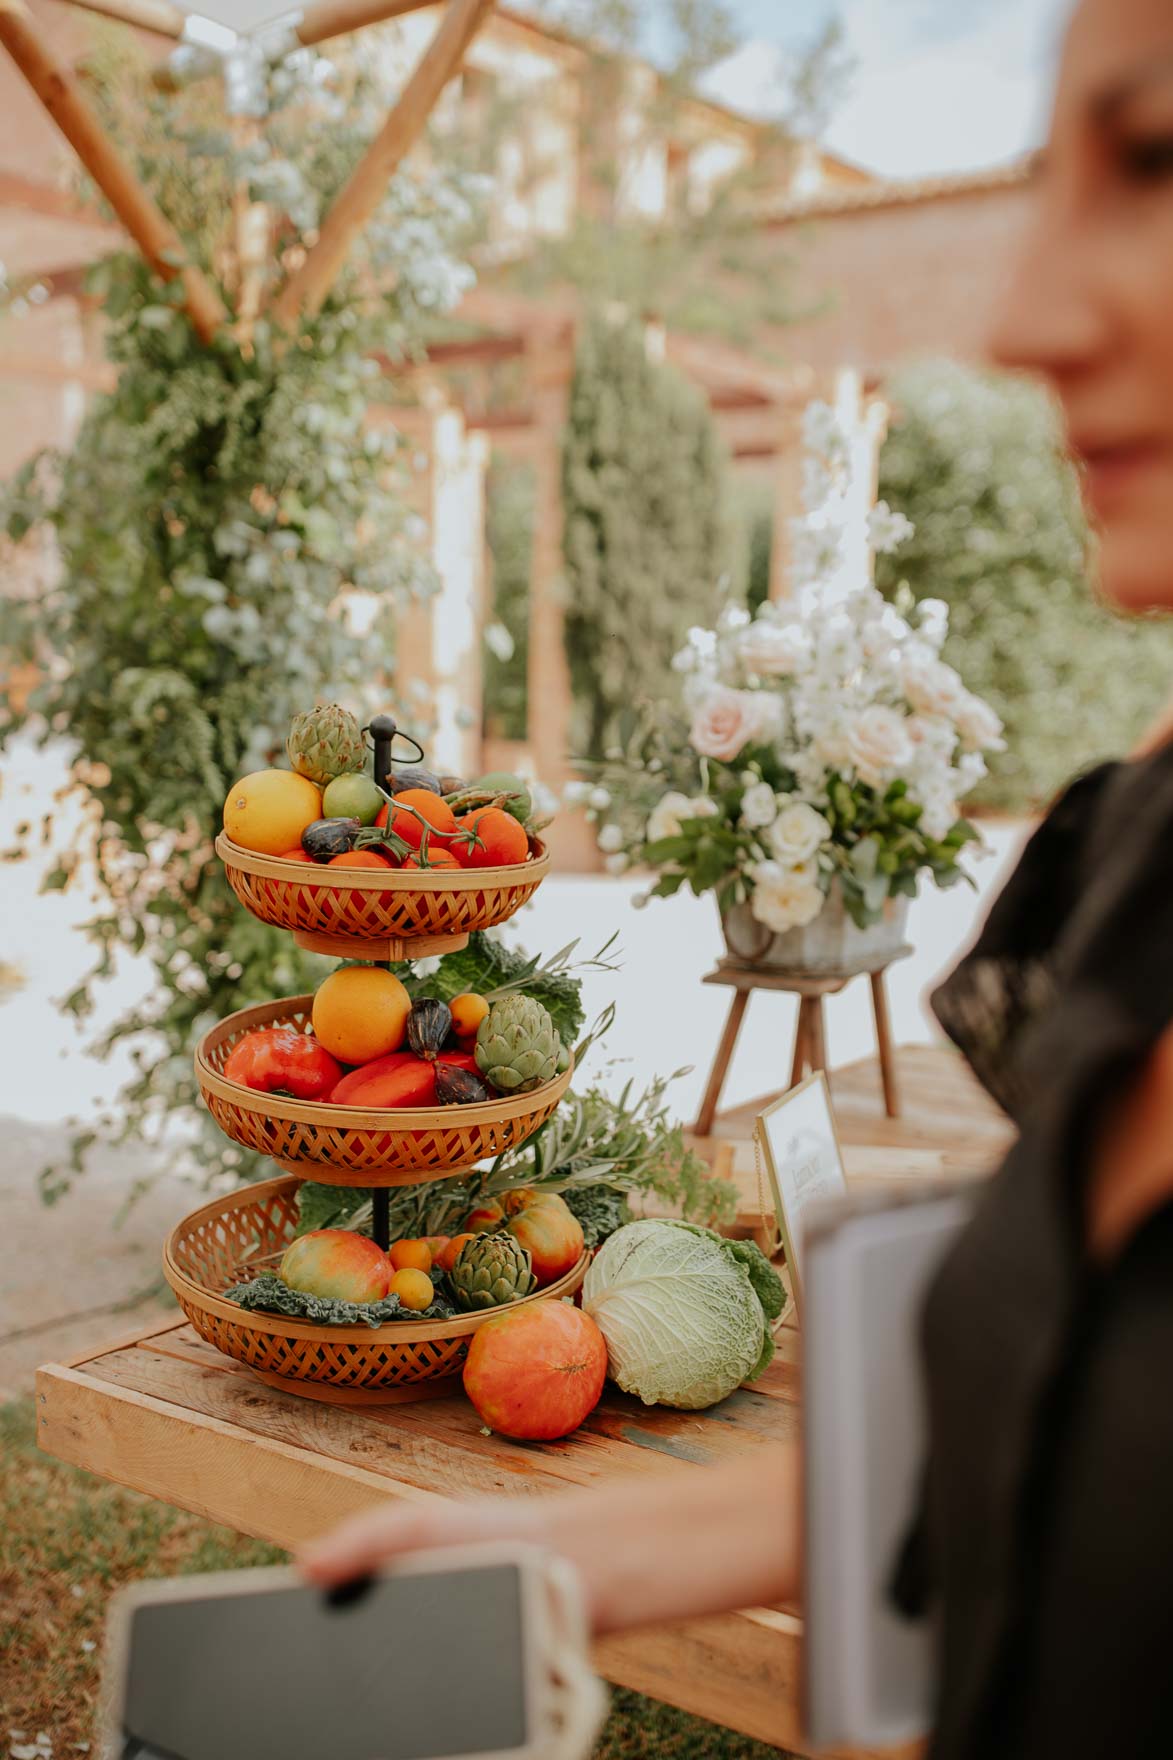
810,1037
163,1413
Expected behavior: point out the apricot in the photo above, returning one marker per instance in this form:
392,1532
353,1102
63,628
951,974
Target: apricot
414,1288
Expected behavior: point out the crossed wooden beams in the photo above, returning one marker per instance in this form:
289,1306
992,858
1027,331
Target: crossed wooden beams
61,93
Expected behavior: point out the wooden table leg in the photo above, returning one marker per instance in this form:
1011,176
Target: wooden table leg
721,1062
884,1045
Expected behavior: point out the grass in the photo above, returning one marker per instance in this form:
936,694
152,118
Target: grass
67,1540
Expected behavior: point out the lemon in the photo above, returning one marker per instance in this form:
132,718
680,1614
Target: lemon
269,810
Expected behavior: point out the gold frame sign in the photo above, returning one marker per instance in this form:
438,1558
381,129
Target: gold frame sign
798,1144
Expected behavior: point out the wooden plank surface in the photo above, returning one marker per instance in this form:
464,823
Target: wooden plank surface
165,1414
949,1127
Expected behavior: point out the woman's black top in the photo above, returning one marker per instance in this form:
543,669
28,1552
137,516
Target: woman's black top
1044,1544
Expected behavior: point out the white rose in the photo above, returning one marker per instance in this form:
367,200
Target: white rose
759,806
701,807
878,744
617,863
932,687
726,721
610,839
774,649
931,733
664,819
979,727
797,833
782,899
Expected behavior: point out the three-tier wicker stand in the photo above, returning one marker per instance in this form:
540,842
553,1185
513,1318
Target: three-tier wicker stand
359,915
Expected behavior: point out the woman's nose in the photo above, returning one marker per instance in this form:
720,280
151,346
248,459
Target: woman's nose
1052,319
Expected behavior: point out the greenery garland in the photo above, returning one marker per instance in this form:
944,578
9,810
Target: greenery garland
221,512
644,538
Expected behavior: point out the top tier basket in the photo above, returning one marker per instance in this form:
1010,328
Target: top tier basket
364,914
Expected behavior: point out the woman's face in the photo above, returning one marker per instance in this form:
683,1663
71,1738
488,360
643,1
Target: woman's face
1091,304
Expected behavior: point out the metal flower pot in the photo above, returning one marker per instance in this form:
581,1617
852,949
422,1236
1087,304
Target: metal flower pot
831,943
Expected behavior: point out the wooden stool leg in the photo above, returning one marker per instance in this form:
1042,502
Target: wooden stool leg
802,1042
884,1046
818,1035
720,1069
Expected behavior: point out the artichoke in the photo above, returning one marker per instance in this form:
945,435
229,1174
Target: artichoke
518,1045
326,742
491,1270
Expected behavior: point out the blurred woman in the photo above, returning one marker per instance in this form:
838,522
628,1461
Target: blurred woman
1045,1536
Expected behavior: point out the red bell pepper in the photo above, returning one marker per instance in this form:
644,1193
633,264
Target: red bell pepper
280,1060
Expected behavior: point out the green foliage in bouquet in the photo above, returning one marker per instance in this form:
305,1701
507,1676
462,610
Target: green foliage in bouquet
596,1145
213,509
976,463
644,538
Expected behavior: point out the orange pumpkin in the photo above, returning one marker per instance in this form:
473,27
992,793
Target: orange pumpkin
535,1372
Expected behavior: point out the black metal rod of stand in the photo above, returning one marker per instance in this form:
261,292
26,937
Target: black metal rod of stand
381,1216
382,732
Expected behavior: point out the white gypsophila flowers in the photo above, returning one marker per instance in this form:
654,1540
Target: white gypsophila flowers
932,622
599,798
759,806
878,744
796,833
782,899
617,863
610,838
887,530
575,794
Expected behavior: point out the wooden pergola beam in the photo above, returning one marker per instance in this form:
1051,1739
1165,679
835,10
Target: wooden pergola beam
317,24
62,96
155,16
336,18
308,286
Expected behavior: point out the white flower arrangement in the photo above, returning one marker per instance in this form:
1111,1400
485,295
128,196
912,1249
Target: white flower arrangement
827,741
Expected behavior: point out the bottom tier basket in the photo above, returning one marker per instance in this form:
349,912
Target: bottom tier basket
221,1243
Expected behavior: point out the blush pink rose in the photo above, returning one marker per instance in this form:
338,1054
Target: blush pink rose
726,721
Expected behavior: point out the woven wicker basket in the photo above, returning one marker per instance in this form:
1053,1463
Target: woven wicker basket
219,1245
365,914
344,1145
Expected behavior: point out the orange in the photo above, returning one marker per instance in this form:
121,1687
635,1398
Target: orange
429,806
360,1013
411,1256
437,858
414,1288
295,855
359,858
503,841
269,810
468,1011
447,1256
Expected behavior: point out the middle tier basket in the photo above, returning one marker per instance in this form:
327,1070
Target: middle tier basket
346,1145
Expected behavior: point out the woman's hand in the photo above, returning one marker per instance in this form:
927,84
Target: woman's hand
706,1541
